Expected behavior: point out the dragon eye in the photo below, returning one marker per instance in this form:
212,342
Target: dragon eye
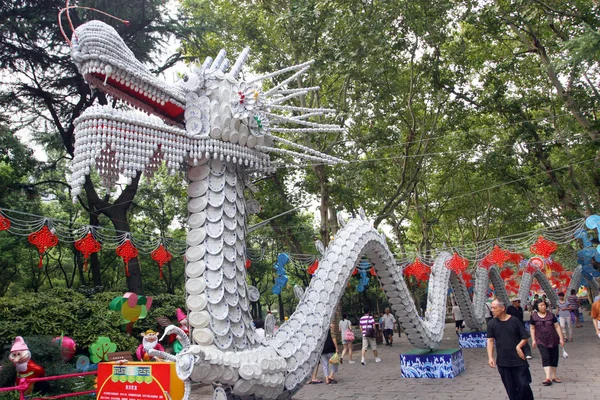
191,81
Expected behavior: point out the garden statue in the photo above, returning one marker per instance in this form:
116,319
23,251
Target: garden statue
185,327
26,368
221,130
149,342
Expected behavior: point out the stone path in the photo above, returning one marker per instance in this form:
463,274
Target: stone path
580,374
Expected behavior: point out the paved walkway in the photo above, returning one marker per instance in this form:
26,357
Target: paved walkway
580,374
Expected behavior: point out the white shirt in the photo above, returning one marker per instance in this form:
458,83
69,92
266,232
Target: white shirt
387,321
456,313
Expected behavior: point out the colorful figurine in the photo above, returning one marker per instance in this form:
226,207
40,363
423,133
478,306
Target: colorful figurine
150,342
26,368
184,325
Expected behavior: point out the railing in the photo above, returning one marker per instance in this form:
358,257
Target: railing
25,382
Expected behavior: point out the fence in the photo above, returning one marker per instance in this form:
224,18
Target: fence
25,382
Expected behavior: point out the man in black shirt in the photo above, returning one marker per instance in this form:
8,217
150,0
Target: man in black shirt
517,311
510,337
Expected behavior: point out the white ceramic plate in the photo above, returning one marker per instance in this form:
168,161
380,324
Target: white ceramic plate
219,310
232,299
214,229
216,183
195,236
195,285
229,273
219,394
229,237
199,173
241,342
197,204
241,204
230,193
196,302
230,223
214,279
224,342
243,304
196,220
213,214
214,245
217,166
203,337
235,315
214,296
237,328
241,290
239,231
199,319
253,293
215,199
230,209
239,263
230,284
229,253
197,188
194,269
219,327
231,178
195,253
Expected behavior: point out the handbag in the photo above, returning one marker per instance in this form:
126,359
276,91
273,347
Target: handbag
369,331
348,335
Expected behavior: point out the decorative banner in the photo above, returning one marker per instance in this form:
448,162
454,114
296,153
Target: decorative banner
127,251
131,306
43,240
139,381
543,247
87,246
457,264
4,223
161,256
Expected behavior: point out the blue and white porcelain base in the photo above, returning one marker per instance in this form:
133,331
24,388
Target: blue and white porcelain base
436,364
472,340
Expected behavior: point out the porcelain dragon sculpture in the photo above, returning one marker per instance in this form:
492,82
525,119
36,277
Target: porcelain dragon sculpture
221,129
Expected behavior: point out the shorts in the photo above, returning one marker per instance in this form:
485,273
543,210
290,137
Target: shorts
369,341
459,323
388,332
549,356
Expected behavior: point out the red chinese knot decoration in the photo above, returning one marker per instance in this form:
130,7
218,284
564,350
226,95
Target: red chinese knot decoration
162,256
418,269
127,251
4,223
457,264
87,246
313,268
543,247
43,240
499,256
506,273
467,278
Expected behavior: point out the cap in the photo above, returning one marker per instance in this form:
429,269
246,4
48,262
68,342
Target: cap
19,345
515,298
150,332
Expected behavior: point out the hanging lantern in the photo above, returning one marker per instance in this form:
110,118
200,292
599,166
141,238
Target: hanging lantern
162,256
514,258
543,247
127,251
87,246
457,264
506,273
418,269
4,223
43,240
496,257
534,264
355,272
248,263
312,269
372,271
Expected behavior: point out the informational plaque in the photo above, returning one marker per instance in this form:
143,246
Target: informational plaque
138,381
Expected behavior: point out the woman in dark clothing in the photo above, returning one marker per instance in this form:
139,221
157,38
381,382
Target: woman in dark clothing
547,335
329,349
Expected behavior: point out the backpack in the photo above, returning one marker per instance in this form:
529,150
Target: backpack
348,335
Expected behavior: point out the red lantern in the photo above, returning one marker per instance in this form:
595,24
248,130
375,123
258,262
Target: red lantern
418,269
372,271
248,263
312,269
496,257
457,264
87,246
543,247
4,223
43,240
127,251
534,264
162,256
355,272
506,273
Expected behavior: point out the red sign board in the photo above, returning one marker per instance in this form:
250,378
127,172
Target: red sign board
138,381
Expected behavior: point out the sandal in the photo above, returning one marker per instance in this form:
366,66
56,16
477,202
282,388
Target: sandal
547,382
314,382
556,380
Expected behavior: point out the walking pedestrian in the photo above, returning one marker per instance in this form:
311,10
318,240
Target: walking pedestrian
516,311
563,311
595,314
347,338
329,349
388,322
509,336
574,304
458,318
536,298
547,335
367,327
